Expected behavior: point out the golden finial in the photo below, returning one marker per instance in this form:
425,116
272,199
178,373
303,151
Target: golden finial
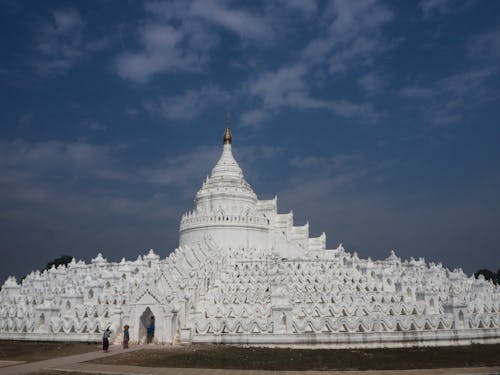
227,133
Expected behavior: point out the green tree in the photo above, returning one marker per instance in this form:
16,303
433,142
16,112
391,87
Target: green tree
63,259
488,275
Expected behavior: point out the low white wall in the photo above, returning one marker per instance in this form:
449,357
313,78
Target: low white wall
359,340
73,337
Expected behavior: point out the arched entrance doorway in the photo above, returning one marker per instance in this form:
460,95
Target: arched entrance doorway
144,322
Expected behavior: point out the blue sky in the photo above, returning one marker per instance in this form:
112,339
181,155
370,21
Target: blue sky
376,121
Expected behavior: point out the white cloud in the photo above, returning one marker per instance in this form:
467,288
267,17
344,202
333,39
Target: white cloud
484,46
172,40
328,164
178,36
131,112
470,82
25,121
353,34
371,82
442,117
185,170
429,7
464,83
284,87
288,88
189,104
161,52
38,158
306,7
448,99
51,173
240,22
255,117
204,13
416,92
60,42
444,7
96,126
346,108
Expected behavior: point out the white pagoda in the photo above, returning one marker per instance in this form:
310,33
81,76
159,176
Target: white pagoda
245,274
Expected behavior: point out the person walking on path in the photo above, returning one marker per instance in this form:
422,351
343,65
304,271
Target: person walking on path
126,336
105,339
151,330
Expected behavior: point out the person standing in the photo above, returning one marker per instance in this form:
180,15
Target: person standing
126,336
105,339
151,330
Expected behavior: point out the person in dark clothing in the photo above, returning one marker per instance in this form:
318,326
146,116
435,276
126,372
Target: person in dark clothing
151,331
126,337
105,339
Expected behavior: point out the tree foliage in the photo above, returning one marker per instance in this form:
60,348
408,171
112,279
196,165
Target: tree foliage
489,275
63,259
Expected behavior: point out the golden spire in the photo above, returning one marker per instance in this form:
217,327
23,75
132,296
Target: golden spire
227,134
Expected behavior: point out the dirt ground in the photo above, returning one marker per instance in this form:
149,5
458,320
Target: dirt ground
227,357
31,351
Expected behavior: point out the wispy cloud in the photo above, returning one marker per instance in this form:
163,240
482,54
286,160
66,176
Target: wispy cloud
61,42
485,46
284,87
371,82
326,163
307,8
178,36
448,99
288,88
189,104
459,92
241,22
182,37
76,177
161,52
352,36
429,7
96,126
414,92
322,177
186,170
255,117
40,158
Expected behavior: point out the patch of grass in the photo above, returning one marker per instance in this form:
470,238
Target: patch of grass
252,358
31,351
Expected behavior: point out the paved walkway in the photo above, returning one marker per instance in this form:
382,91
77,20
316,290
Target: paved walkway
59,362
74,363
